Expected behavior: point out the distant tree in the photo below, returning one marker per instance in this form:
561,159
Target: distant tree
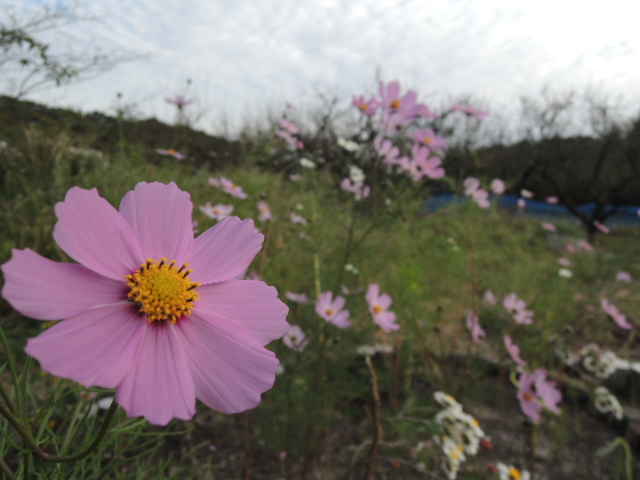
30,60
602,168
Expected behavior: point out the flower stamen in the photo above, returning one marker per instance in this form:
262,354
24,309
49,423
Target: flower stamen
163,291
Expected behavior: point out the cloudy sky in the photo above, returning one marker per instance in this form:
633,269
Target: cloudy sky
247,56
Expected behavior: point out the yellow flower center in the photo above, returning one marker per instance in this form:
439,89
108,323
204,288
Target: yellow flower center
378,309
395,104
163,291
428,140
330,312
515,473
171,151
364,107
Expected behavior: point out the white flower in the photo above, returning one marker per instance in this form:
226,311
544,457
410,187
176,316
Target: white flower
349,145
306,163
565,273
295,339
350,268
606,402
356,174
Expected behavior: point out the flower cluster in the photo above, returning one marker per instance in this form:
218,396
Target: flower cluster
461,433
602,363
509,472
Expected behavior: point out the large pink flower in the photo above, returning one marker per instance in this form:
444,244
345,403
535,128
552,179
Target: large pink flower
149,310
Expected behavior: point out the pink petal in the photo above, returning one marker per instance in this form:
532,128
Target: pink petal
249,303
159,386
97,347
224,251
94,234
230,368
40,288
160,217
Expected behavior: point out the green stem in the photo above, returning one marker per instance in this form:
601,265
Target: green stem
12,364
7,400
96,441
20,428
5,468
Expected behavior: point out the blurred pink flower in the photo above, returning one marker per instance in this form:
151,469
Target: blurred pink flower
585,246
474,112
615,314
603,228
332,310
289,105
265,211
358,189
623,276
517,307
378,307
391,100
215,182
295,339
297,297
513,350
489,298
549,226
299,219
171,153
368,107
429,138
536,392
179,101
473,324
565,262
552,200
294,177
217,212
231,188
421,165
498,186
113,333
289,126
477,194
387,150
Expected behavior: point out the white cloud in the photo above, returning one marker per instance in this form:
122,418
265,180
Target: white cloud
243,54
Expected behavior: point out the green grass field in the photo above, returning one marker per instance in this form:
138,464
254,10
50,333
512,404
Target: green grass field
332,413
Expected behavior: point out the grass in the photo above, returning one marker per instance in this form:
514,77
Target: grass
322,410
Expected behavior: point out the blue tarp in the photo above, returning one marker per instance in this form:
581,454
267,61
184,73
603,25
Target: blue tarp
624,216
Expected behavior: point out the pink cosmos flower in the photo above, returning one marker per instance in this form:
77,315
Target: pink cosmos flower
391,100
294,177
624,277
265,211
299,219
422,166
378,307
552,200
513,350
297,297
149,309
477,194
368,107
289,126
387,150
565,262
517,307
215,182
332,310
550,227
289,105
498,186
600,226
615,314
295,339
429,138
489,298
179,101
217,212
359,189
473,324
231,188
471,111
536,392
291,139
171,153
